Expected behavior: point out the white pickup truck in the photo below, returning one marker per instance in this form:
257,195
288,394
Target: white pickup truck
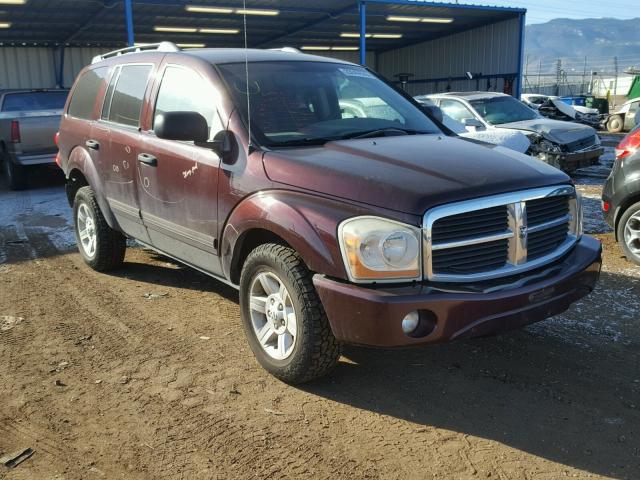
29,120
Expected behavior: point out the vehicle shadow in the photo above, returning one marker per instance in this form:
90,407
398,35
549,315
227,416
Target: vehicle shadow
575,401
158,270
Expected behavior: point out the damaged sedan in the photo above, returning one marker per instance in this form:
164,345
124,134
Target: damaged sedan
565,145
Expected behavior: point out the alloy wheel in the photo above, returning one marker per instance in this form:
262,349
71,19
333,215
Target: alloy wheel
87,230
632,234
273,316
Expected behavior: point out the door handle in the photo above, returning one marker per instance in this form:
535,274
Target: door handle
148,159
92,144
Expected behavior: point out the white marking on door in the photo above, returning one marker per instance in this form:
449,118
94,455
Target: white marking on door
188,173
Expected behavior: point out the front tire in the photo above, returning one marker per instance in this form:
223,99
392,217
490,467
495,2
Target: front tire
283,318
629,233
101,247
615,124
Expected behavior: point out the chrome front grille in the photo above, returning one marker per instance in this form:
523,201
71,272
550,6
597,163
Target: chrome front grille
500,235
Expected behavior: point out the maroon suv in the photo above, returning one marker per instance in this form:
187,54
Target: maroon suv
342,211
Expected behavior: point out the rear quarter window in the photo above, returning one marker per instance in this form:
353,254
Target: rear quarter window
86,92
34,101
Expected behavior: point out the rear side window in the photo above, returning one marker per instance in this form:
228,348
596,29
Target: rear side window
123,103
34,101
184,90
86,92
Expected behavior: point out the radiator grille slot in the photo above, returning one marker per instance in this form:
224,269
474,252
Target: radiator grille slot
543,210
546,241
480,257
465,225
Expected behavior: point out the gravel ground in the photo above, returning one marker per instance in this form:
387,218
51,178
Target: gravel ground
104,383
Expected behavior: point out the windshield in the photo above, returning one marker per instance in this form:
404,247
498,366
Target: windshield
306,103
498,110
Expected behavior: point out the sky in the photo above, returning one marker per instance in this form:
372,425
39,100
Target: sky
540,11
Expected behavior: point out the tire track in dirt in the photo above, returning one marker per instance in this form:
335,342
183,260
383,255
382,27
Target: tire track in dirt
226,433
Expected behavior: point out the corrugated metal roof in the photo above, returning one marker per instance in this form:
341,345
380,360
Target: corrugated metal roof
94,23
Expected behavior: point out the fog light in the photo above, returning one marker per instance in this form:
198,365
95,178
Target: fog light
410,322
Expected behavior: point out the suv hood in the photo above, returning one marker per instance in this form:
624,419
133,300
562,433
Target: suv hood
554,130
409,174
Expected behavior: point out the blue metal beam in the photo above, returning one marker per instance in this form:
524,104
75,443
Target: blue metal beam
363,33
129,18
520,78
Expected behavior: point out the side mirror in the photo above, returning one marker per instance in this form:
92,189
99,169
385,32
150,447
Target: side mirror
225,146
433,111
473,123
184,126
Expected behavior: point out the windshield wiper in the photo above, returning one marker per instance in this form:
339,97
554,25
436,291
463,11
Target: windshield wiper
381,132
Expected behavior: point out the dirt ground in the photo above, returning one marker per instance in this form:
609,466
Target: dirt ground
103,382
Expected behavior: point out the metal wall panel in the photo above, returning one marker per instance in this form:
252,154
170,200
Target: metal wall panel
491,49
26,67
35,67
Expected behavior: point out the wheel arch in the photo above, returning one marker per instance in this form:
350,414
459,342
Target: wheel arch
306,223
80,171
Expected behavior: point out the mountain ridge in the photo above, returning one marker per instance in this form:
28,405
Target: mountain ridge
597,39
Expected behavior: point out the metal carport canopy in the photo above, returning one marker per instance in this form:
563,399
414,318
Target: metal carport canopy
281,22
335,26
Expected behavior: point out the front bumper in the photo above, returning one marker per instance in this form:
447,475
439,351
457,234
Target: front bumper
373,316
574,160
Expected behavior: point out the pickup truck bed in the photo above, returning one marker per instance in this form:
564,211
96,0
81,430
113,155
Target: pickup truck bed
29,121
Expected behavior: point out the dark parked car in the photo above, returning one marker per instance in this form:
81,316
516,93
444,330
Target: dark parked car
621,195
378,230
29,120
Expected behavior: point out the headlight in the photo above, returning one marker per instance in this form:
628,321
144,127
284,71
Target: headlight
376,249
550,147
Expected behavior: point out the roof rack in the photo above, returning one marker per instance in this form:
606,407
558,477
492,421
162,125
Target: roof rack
158,47
286,49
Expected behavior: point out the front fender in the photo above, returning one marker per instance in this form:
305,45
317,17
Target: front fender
308,223
79,159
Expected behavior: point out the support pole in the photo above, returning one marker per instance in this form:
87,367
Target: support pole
363,33
128,12
519,81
